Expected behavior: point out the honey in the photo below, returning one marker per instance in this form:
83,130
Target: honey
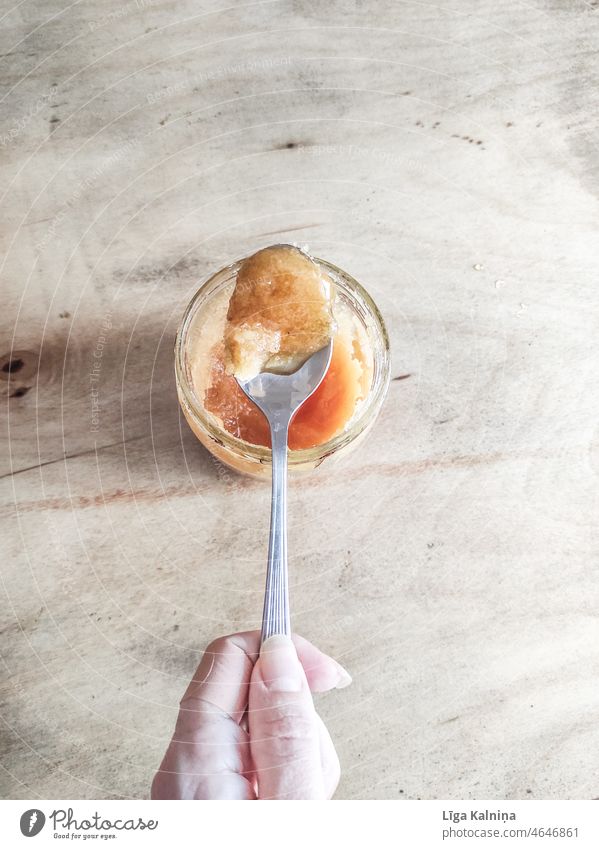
279,313
331,423
324,414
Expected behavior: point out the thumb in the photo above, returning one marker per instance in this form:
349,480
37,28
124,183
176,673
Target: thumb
284,729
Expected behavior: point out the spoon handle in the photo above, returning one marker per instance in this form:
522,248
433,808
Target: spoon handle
275,616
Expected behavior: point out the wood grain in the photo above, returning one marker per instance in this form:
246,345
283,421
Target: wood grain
446,156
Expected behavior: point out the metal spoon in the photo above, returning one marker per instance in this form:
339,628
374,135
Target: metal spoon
279,396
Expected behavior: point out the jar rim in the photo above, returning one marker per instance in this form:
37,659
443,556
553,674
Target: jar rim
369,408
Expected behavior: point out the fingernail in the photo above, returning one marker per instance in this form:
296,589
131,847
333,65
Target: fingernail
345,678
279,665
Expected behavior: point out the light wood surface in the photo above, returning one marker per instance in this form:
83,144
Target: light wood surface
446,156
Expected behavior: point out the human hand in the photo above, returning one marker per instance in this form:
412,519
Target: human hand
247,727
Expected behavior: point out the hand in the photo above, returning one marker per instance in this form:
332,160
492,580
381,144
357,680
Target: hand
247,727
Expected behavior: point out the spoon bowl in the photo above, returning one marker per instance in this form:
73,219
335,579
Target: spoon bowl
280,395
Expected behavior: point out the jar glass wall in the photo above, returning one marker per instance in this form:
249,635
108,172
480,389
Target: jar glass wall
202,328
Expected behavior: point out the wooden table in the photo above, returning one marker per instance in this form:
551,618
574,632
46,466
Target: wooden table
447,157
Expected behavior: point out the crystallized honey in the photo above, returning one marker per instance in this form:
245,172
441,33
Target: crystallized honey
279,314
287,301
340,412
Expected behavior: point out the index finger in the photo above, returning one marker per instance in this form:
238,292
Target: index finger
222,679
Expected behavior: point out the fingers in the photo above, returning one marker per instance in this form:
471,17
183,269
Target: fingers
213,763
285,735
223,676
323,672
209,755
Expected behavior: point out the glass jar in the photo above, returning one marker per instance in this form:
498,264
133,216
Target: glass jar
203,326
